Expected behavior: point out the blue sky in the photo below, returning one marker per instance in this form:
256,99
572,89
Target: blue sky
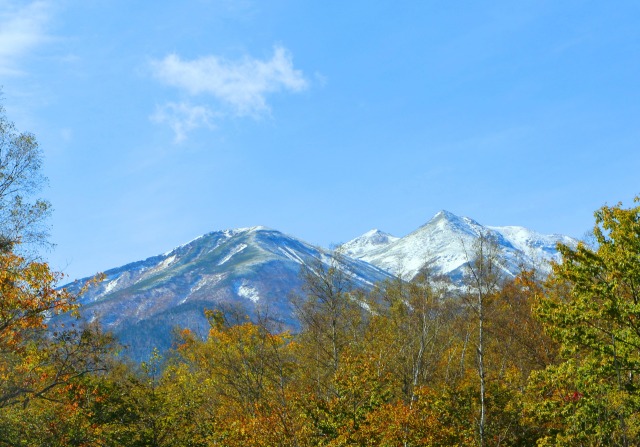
160,121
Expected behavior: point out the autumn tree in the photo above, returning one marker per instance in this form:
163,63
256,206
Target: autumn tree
409,331
592,309
520,341
55,376
332,315
483,280
243,375
29,299
42,368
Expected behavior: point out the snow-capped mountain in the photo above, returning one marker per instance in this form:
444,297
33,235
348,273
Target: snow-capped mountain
368,242
446,243
254,268
257,269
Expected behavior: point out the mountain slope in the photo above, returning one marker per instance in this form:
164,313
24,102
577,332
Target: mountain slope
368,242
446,243
255,269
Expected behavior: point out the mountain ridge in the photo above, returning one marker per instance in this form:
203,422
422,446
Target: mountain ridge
256,269
253,270
445,243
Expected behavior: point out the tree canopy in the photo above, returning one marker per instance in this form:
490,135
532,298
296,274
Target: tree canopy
593,311
22,214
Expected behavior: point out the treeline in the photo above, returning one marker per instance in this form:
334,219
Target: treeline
508,362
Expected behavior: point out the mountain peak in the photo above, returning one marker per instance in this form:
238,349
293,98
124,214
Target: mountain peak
464,224
255,229
371,240
375,234
444,214
443,244
447,216
243,230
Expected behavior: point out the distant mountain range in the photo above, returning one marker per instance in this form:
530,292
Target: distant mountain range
257,269
446,242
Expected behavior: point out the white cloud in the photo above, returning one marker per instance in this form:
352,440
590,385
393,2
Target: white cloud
21,29
183,118
239,87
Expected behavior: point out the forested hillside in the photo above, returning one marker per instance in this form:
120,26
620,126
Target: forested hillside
509,362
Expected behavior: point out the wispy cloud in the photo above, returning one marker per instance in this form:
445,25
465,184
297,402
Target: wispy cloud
237,87
183,118
22,27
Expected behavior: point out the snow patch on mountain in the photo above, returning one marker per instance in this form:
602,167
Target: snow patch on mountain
238,231
540,247
163,265
290,254
206,281
111,285
248,292
167,262
182,245
234,251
